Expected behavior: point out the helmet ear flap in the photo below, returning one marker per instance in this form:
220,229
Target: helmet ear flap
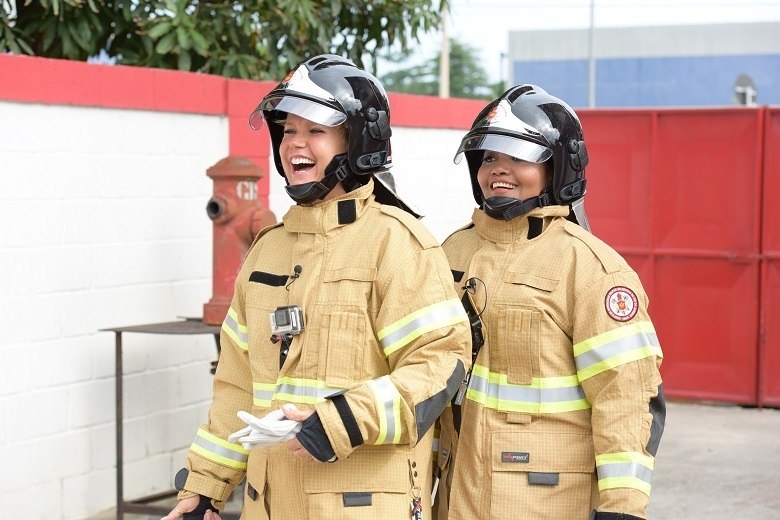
378,124
577,157
578,154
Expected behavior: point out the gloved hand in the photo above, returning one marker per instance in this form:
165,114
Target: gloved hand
269,430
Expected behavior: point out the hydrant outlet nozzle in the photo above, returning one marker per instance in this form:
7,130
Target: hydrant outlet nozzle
215,208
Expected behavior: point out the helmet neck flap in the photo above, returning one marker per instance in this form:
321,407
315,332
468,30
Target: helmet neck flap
507,208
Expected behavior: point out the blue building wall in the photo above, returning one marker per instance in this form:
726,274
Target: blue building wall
655,82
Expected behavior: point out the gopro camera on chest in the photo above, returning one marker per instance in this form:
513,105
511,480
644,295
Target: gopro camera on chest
286,321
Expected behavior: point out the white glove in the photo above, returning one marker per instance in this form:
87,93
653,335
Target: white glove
271,429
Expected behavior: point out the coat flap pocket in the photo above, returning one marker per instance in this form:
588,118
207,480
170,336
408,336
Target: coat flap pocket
531,280
369,469
542,452
360,274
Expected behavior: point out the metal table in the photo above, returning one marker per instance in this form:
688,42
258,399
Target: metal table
144,505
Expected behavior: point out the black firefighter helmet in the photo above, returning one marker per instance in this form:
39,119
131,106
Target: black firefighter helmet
528,123
331,90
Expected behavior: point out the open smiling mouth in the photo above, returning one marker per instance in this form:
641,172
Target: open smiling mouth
301,164
502,185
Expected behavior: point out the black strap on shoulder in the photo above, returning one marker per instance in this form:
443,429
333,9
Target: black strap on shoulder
348,418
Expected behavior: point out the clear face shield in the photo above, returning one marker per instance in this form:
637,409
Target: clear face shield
512,146
299,95
502,131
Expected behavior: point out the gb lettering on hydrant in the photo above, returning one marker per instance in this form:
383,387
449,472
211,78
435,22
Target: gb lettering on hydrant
238,215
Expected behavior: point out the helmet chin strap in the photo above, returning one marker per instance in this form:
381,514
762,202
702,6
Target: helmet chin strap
336,171
507,208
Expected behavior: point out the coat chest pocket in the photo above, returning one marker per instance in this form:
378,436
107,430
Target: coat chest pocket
345,334
518,337
261,300
347,285
529,288
516,343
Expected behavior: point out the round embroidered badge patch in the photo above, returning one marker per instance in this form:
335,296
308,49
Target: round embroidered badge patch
621,303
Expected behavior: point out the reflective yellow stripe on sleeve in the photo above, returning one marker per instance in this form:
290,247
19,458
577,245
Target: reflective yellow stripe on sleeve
235,330
292,390
543,395
625,470
388,406
414,325
211,447
616,347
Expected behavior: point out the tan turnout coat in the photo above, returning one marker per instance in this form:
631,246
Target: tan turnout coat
381,323
563,413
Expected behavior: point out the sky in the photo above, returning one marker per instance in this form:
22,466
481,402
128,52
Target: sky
485,24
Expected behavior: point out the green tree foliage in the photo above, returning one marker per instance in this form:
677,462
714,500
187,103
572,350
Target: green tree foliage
253,39
468,78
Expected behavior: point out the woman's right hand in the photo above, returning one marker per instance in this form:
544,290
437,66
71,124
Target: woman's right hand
185,506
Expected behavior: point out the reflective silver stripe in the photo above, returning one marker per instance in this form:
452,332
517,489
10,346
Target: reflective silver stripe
615,348
219,450
543,395
263,394
625,470
235,330
292,390
619,346
388,406
411,327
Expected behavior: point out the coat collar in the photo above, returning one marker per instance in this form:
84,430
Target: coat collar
502,231
328,215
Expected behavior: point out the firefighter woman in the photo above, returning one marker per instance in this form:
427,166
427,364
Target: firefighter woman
563,409
344,316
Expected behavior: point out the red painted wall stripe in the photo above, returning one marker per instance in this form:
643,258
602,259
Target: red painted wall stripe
28,79
63,82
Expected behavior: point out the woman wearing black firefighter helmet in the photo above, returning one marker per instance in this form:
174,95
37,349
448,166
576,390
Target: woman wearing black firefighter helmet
563,409
331,91
344,339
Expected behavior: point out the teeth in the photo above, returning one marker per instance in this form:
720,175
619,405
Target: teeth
301,160
503,185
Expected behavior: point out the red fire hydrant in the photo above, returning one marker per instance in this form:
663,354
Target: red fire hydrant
237,215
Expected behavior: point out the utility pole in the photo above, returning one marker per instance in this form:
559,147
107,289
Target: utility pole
591,60
502,69
444,59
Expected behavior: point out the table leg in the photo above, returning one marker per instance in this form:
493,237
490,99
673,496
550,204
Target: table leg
120,500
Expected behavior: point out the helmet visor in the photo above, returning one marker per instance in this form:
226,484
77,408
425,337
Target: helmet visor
305,108
513,146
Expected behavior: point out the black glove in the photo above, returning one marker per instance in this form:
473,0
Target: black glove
313,437
198,512
600,515
203,505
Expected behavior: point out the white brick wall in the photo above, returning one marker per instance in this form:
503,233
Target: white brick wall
102,224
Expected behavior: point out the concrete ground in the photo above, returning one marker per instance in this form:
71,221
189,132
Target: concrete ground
715,462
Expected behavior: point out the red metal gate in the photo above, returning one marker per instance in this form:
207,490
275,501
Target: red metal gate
769,344
678,193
